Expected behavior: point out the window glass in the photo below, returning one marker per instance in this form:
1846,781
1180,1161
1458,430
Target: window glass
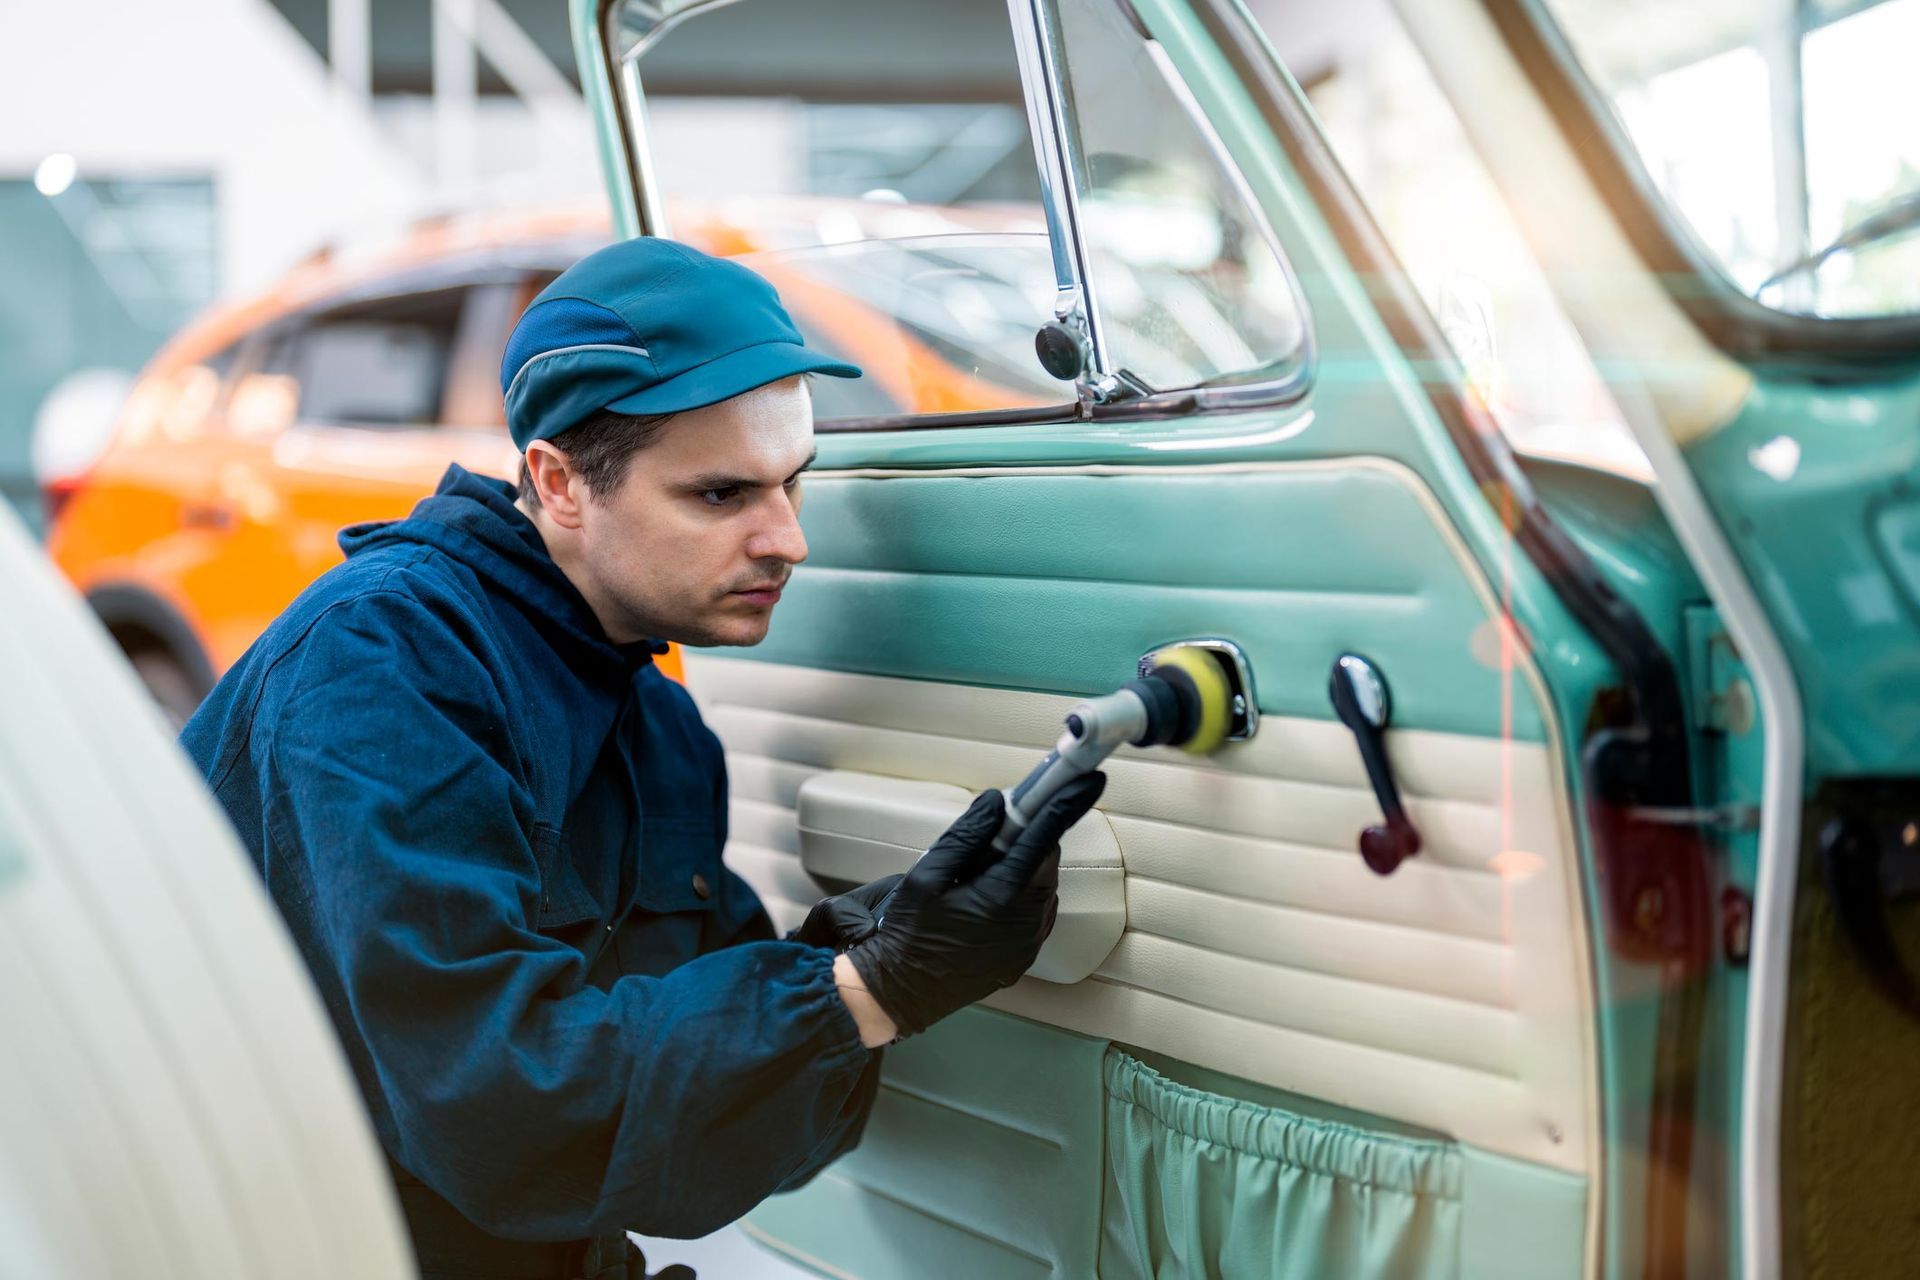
1187,286
1400,141
941,323
1785,133
376,364
886,185
472,399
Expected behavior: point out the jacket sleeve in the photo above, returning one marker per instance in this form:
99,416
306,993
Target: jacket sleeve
850,1125
397,832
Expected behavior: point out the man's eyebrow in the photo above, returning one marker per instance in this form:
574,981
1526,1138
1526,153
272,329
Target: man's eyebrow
719,480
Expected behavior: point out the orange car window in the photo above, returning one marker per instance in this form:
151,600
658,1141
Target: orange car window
374,364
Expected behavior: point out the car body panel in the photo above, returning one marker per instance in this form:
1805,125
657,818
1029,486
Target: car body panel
1815,487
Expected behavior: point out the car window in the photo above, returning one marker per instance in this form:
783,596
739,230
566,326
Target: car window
886,185
382,363
1785,135
1403,145
1188,287
473,400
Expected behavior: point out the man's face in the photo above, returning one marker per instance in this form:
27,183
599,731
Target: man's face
696,543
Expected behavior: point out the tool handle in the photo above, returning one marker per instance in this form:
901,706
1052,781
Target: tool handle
1027,799
1023,802
1080,751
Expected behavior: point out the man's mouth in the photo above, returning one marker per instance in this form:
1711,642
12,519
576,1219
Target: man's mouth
765,593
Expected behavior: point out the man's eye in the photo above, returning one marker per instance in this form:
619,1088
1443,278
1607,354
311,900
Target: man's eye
718,497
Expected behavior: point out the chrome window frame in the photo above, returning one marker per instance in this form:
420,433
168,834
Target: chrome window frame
1056,136
627,28
1035,43
1291,383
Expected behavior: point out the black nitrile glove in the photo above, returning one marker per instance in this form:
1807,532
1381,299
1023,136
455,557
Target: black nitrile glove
967,921
844,919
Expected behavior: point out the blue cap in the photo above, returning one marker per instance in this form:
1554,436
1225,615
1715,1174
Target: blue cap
647,326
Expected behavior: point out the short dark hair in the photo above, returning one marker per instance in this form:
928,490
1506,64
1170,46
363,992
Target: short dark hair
599,450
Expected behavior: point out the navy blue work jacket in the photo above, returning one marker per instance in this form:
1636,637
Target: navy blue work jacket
496,837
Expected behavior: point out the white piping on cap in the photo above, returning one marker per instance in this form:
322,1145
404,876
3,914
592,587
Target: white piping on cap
566,351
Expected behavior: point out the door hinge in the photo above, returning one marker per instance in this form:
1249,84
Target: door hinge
1722,696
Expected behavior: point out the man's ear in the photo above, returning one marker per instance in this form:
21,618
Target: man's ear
559,486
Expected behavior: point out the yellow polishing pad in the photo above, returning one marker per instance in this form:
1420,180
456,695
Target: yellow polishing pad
1216,696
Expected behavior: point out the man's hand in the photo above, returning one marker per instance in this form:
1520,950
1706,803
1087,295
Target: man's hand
845,919
967,921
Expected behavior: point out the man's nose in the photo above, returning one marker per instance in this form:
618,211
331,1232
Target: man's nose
779,536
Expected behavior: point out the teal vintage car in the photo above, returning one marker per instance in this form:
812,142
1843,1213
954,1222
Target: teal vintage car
1626,994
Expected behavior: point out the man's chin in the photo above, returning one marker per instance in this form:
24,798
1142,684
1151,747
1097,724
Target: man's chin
733,632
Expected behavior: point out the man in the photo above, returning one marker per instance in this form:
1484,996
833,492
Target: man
495,828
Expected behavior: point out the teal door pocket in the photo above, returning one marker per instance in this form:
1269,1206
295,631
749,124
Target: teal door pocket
1203,1185
1004,1148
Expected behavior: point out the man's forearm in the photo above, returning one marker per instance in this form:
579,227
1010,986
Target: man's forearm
876,1028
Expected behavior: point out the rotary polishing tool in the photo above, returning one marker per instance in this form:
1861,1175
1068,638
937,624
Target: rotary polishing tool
1183,700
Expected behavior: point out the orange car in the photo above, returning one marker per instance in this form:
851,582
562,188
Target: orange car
341,395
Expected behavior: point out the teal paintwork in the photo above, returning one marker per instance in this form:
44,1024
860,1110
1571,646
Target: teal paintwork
1897,534
1619,526
589,54
1816,488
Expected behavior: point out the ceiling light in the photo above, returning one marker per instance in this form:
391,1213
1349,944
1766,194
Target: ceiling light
55,174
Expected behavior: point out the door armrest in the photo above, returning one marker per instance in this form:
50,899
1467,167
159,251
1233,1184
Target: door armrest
856,827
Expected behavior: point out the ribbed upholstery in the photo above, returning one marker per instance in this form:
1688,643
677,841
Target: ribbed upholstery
1257,941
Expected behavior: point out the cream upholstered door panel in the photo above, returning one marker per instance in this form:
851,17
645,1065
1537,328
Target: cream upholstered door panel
1453,995
1450,995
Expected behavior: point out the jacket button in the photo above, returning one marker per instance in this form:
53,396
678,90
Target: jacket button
700,886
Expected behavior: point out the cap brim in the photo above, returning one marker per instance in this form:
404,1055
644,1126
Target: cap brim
735,373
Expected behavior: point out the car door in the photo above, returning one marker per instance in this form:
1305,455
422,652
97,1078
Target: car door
1246,1051
1764,342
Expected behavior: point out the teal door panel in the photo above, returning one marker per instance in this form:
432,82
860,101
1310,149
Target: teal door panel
1520,1221
1062,582
1055,580
982,1158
